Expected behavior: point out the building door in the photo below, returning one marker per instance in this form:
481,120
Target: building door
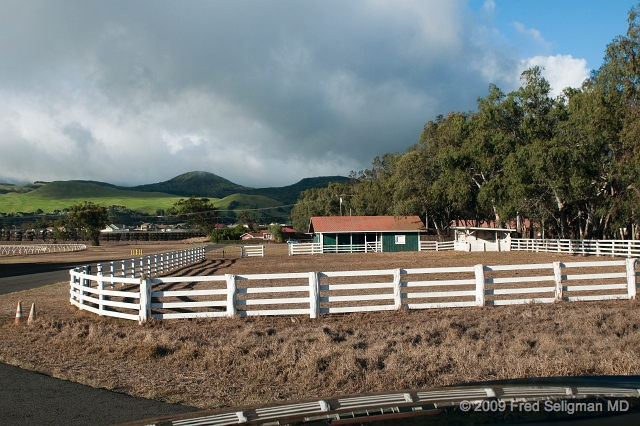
371,242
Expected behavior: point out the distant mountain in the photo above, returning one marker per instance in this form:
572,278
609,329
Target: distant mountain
200,184
290,194
204,184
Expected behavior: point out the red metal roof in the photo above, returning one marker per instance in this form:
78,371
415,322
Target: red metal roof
365,223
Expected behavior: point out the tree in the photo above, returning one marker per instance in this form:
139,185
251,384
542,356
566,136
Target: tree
89,218
197,212
244,217
319,202
276,233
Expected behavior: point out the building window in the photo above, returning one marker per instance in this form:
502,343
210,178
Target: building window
400,239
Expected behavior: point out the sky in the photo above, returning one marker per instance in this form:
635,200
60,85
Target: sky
264,93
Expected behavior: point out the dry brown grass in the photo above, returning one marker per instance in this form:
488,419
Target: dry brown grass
211,363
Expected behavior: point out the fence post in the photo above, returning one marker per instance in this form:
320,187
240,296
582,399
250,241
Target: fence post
397,289
631,278
597,248
241,251
100,287
480,284
557,276
231,294
148,265
314,294
145,299
262,250
81,282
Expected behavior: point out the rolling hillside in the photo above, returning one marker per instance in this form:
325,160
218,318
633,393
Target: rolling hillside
60,195
204,184
272,202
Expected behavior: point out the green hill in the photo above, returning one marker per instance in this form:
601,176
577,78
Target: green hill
200,184
226,195
290,194
60,195
204,184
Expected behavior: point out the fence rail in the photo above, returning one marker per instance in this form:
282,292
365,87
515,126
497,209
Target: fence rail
436,245
15,250
87,290
317,248
252,251
316,293
625,248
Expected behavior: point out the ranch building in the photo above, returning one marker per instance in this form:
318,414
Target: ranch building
484,236
352,234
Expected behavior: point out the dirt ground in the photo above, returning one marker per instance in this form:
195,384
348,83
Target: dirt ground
211,363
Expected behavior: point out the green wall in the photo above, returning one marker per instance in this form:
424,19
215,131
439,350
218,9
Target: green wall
389,242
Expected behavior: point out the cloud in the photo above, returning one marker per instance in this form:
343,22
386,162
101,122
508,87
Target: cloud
262,93
561,71
530,33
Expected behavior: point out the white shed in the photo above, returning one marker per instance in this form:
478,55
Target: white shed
470,237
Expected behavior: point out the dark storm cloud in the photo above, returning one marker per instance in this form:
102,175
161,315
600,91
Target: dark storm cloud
263,93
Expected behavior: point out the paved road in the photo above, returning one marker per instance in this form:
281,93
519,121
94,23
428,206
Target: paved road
25,276
28,398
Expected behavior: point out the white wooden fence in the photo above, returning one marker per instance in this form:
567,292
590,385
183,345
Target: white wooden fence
252,251
436,245
88,291
315,293
317,248
15,250
627,248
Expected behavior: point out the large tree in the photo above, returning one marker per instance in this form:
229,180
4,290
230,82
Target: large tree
89,219
199,213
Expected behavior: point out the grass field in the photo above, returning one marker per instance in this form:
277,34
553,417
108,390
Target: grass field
212,363
61,195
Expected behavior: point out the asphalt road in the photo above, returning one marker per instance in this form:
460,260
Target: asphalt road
25,276
28,398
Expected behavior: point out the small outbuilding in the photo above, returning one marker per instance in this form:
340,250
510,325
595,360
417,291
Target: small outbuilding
353,234
471,235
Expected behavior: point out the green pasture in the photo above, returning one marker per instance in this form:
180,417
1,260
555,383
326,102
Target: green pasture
61,195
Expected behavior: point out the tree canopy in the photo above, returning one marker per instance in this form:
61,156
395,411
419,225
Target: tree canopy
89,218
569,163
199,213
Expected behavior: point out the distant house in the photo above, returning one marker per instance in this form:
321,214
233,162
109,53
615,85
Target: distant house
470,235
116,228
262,235
290,233
340,234
147,227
